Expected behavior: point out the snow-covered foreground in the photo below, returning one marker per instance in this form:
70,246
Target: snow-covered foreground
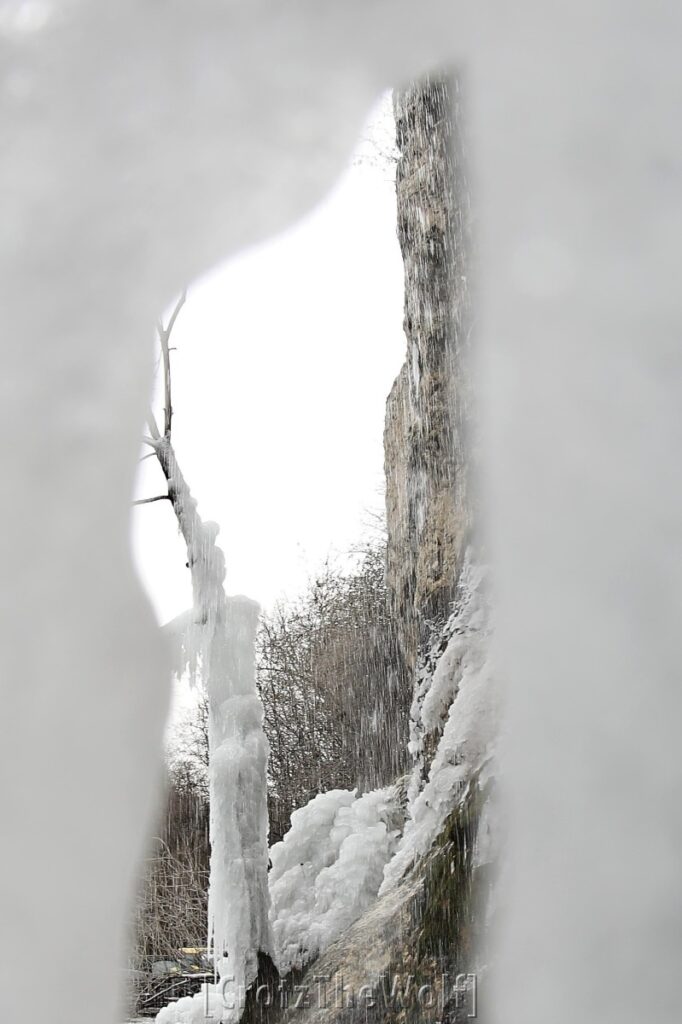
343,850
326,871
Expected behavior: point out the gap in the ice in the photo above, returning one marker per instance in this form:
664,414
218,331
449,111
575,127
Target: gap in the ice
282,359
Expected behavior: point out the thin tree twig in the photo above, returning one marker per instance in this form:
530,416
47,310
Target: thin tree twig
147,501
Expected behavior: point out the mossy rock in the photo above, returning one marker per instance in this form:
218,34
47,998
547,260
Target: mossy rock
451,902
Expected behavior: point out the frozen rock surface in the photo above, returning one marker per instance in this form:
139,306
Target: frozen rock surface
454,721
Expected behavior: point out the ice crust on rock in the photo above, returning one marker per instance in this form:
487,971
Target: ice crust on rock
456,705
328,868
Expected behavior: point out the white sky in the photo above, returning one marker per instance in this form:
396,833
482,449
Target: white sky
284,360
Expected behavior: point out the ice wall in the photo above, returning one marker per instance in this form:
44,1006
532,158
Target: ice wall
144,141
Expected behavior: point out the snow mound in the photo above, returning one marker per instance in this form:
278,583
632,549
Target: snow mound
328,868
326,871
193,1009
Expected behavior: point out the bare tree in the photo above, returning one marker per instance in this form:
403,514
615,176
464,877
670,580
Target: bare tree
188,747
335,708
172,900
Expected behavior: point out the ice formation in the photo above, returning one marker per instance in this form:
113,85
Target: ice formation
215,642
325,872
456,704
328,868
238,894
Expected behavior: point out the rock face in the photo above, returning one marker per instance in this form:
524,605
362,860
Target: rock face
427,492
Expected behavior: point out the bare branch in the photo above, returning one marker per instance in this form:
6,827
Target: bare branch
164,337
147,501
168,407
149,455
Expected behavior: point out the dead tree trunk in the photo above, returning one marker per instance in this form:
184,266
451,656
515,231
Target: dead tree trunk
217,645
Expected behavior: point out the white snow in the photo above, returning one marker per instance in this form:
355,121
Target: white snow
469,620
325,872
457,700
328,868
205,1005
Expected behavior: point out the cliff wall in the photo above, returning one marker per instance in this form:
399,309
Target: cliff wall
427,492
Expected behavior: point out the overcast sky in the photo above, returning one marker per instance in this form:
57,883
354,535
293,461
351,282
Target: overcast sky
284,360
